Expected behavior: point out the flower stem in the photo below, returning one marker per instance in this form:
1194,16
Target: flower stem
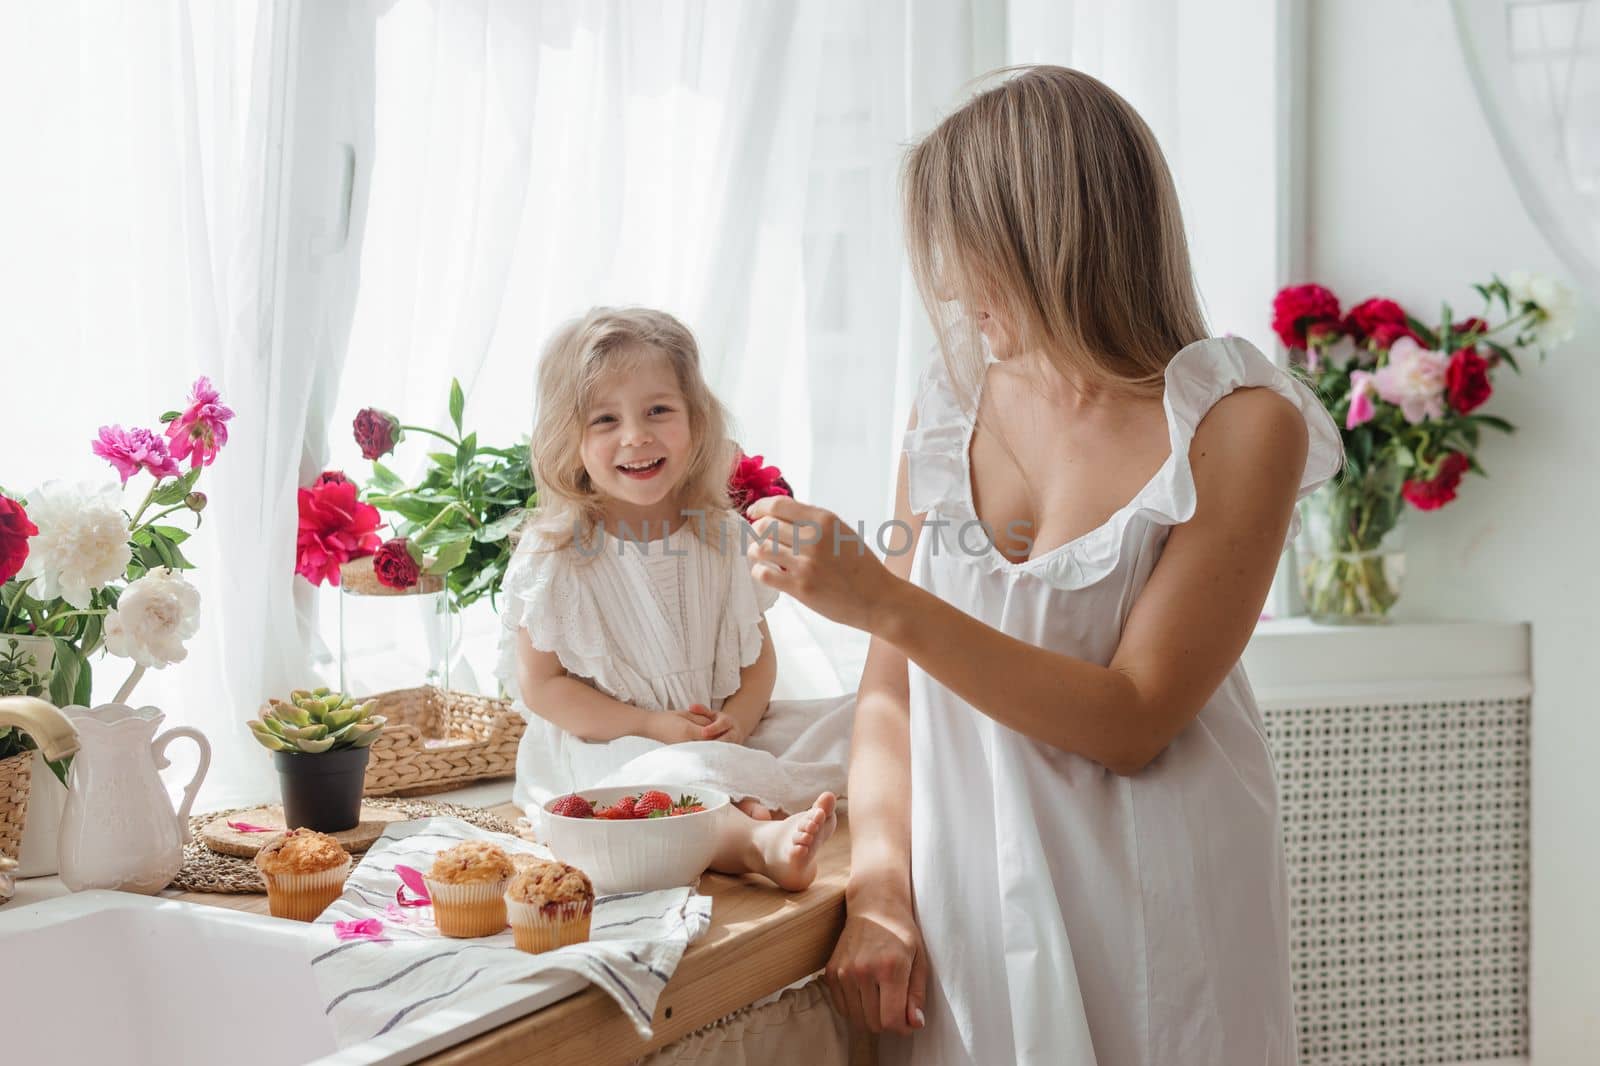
157,517
134,521
432,433
11,612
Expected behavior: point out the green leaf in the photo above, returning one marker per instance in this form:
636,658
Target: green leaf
1505,353
458,402
172,493
500,528
466,449
174,535
1495,422
170,416
384,479
448,558
1429,338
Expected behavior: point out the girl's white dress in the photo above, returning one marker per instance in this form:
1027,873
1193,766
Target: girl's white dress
1071,915
663,625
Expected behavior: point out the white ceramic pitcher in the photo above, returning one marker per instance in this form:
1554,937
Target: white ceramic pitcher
119,830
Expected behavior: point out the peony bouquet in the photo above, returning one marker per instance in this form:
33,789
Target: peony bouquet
1410,399
456,523
84,574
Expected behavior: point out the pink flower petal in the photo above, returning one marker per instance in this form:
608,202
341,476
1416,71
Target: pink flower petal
248,827
412,879
365,929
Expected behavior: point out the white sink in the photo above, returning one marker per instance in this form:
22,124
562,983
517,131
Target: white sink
108,977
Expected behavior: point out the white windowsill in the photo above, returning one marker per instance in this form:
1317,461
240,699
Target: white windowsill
1297,661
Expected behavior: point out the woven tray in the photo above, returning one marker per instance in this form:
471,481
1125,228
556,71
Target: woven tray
16,776
437,740
206,871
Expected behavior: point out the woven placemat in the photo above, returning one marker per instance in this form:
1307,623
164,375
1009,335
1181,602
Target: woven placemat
206,871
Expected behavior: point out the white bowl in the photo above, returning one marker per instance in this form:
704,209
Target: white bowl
639,854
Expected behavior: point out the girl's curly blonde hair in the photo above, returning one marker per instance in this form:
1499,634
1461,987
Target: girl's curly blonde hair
583,351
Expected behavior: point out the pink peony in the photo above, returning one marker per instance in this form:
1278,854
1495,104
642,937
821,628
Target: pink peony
1413,380
201,429
132,450
15,529
335,527
1362,390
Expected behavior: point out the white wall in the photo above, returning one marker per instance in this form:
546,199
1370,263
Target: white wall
1408,198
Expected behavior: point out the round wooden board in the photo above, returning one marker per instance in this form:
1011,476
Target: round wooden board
224,841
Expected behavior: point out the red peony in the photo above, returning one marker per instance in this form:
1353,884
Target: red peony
1380,321
1467,380
15,529
1439,490
750,481
394,565
1302,310
335,527
331,477
377,432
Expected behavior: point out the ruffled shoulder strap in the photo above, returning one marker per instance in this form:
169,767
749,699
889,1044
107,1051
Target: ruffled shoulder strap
935,449
544,595
1205,372
1197,377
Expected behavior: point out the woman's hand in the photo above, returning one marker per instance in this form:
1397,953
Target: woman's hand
819,560
682,727
878,974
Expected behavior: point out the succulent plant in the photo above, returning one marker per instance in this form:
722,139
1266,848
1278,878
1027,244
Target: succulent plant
315,721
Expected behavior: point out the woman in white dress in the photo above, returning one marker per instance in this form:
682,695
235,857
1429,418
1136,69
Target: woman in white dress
1065,838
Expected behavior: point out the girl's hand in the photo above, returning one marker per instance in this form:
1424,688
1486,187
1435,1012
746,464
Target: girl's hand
681,727
725,727
878,974
820,561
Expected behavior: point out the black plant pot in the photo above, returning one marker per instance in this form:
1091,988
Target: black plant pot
322,791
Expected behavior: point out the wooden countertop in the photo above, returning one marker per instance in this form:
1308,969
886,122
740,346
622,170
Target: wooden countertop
761,939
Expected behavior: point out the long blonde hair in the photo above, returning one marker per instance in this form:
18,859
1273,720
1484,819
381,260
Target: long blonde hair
1049,195
575,359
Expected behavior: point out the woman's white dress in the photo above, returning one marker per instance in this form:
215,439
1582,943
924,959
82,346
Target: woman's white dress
1071,915
663,625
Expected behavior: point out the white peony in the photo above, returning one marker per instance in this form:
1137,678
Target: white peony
152,619
82,543
1560,311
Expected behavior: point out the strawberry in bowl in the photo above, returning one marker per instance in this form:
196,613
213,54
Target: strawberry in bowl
635,839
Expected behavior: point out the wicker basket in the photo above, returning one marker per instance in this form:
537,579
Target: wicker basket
437,740
15,778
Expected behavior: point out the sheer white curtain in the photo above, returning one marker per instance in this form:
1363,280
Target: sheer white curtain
156,231
1536,68
732,162
131,267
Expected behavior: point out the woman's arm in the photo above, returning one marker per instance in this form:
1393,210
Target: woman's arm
744,708
877,976
1187,630
589,714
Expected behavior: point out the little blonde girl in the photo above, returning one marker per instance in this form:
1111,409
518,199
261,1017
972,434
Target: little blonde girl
633,633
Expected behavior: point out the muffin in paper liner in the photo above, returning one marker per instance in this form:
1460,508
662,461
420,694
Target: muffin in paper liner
538,927
469,908
302,897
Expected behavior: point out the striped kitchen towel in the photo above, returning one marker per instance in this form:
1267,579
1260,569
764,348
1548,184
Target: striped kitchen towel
370,986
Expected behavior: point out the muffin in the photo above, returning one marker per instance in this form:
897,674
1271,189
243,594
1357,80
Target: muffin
468,884
304,871
550,905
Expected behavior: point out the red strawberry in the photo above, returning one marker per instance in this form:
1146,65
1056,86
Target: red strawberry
652,801
573,806
624,808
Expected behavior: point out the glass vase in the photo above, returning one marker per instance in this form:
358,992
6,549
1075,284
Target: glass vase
1351,548
393,638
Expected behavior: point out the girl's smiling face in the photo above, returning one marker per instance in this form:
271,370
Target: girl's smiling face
636,438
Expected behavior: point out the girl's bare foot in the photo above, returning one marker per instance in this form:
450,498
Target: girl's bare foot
789,848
